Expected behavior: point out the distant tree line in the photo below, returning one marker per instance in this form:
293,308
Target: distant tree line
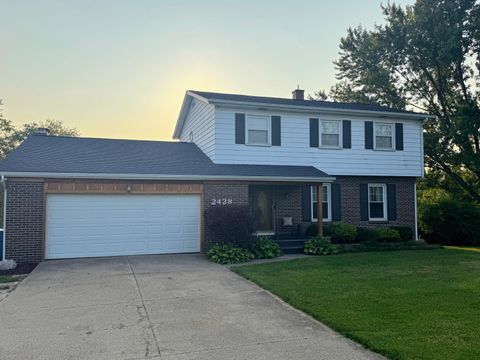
11,136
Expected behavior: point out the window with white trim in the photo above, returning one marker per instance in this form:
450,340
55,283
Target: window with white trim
384,136
330,133
258,130
377,202
326,204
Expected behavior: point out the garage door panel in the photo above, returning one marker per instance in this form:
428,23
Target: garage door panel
109,225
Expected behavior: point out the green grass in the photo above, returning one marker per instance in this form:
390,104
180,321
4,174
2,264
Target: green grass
7,279
403,304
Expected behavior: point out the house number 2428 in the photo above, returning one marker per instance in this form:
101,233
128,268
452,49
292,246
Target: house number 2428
223,201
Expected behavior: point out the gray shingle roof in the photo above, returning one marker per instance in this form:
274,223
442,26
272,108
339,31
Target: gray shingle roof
56,154
291,102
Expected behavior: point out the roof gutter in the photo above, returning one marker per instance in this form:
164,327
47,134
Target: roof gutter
306,179
310,109
189,95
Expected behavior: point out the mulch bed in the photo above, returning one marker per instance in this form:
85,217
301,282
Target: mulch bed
21,269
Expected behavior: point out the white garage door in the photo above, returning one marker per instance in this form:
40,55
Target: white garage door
110,225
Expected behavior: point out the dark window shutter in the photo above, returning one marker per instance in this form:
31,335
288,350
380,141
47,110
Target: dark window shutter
347,134
364,202
336,214
239,128
314,133
368,134
276,131
306,203
391,202
399,136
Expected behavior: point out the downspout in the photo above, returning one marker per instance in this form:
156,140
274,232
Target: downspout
416,209
2,181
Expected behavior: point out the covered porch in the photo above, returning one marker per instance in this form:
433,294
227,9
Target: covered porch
285,211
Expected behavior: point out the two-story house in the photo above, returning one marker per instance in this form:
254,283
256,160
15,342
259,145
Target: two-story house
291,159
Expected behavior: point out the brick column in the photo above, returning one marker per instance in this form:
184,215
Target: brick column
24,221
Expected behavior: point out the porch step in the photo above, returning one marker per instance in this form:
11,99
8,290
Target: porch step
293,246
292,250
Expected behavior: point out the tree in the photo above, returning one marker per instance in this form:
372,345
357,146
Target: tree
11,137
426,57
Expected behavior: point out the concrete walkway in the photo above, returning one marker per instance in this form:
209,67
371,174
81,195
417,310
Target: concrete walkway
152,307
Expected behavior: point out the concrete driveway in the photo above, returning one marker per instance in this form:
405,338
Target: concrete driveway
164,306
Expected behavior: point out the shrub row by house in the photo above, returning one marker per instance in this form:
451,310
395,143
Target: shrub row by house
262,248
346,234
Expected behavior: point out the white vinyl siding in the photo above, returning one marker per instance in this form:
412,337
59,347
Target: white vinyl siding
199,127
377,202
296,150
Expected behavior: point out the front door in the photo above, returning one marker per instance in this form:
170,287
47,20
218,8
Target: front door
263,202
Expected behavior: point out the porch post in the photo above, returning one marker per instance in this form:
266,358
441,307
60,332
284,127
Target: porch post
320,208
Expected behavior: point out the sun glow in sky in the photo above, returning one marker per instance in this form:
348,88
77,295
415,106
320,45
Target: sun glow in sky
117,68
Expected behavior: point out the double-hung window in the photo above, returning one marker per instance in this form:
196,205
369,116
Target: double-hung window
330,133
326,204
377,202
258,130
384,136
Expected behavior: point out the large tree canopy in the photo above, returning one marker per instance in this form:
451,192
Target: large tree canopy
426,57
11,137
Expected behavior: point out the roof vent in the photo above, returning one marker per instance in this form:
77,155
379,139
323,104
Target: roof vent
298,94
42,132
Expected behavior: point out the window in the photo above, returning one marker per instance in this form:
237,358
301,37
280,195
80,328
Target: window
330,133
326,204
383,136
377,202
258,130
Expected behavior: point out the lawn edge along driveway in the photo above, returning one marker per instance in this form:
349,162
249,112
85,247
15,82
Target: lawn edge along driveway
402,304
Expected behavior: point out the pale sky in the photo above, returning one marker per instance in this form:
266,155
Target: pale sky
119,69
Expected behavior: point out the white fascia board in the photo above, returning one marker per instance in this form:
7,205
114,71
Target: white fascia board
312,110
307,179
182,116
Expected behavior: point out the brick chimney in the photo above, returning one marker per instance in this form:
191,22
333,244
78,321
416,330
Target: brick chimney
42,132
298,94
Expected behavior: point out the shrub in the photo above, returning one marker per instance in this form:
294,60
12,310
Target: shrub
366,235
312,229
265,248
231,224
445,219
404,245
228,254
320,246
375,235
406,232
387,235
342,233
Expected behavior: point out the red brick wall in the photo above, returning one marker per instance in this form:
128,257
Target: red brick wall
24,221
288,202
215,194
350,200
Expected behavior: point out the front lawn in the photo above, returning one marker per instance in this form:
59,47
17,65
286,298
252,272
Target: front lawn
404,304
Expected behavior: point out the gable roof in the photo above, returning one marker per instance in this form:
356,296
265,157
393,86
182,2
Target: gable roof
57,156
276,103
